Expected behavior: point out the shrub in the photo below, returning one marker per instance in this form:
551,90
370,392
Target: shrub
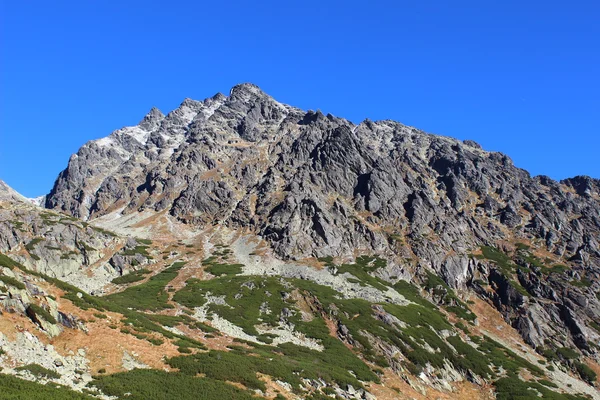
33,310
150,295
132,277
12,282
144,384
39,371
567,353
586,373
12,387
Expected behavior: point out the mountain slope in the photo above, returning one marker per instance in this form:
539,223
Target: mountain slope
311,256
318,186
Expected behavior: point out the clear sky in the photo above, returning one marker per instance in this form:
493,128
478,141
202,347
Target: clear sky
521,77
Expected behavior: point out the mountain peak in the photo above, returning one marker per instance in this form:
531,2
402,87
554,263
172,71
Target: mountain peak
246,91
152,119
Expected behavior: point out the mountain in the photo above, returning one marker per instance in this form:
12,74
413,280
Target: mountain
424,265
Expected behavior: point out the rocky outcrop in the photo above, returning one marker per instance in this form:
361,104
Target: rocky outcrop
63,247
318,185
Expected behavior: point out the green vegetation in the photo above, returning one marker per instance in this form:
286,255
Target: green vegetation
12,282
506,266
104,231
169,320
143,384
8,262
219,269
513,388
40,312
31,245
287,362
547,383
567,353
417,330
411,293
245,296
500,356
555,269
582,283
150,295
586,373
451,302
13,388
17,224
132,277
141,248
471,358
502,260
87,247
361,268
39,371
133,318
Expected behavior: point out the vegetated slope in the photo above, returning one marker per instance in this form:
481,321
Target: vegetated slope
317,257
267,334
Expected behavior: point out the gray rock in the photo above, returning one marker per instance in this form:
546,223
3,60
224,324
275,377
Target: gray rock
318,185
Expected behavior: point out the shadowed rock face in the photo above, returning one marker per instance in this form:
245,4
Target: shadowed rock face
318,185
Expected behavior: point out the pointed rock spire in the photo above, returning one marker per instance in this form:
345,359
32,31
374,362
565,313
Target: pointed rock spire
152,119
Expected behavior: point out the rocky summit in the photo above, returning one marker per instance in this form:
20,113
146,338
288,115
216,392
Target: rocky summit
239,248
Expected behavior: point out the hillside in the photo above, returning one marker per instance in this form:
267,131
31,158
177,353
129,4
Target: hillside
240,247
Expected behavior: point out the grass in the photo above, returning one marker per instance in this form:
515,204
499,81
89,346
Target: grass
547,383
471,358
595,325
8,262
555,269
411,293
133,318
17,224
506,266
582,283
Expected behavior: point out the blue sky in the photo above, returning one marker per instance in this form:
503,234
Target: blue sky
518,77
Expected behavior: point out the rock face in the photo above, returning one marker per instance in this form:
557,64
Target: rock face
62,246
316,185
